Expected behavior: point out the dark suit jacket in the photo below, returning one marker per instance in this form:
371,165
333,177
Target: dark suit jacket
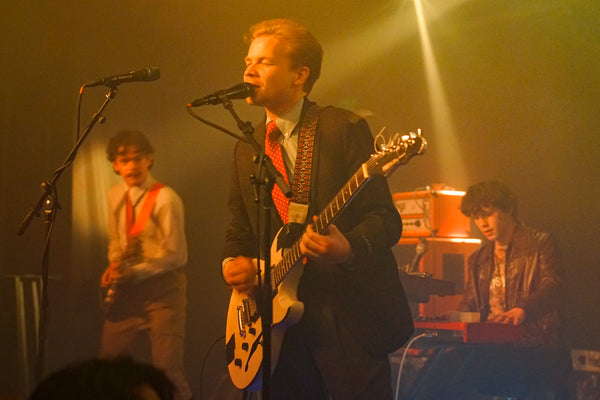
534,282
367,294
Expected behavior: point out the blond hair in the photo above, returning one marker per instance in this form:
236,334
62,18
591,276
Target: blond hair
301,46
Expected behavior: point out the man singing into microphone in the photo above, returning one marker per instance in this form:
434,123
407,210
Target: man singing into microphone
145,281
355,310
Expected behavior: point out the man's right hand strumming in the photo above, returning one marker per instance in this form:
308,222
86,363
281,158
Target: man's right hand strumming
120,271
133,253
240,274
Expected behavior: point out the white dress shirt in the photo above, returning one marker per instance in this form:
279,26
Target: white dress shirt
163,238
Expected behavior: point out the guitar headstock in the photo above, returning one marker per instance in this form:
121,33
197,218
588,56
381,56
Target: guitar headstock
399,150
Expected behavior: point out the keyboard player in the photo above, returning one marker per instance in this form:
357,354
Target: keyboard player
515,278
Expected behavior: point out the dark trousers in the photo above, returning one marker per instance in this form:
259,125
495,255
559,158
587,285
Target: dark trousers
156,309
324,361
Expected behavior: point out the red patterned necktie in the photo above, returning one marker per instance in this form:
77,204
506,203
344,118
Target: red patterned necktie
129,214
273,150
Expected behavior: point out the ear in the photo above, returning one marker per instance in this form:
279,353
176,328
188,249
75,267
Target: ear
302,75
114,165
151,159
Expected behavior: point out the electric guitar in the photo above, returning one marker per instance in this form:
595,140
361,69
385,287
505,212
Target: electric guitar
243,333
132,255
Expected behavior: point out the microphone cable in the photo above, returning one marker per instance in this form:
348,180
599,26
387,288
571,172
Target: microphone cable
428,334
202,365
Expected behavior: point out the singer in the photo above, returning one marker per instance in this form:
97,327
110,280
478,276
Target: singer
145,281
355,309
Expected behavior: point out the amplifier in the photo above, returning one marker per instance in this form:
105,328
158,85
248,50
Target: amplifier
432,213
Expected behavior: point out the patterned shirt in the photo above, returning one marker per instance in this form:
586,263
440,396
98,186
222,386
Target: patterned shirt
498,282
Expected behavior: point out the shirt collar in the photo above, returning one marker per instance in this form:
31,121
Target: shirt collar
135,192
289,119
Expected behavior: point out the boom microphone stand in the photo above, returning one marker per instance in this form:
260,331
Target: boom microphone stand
49,203
272,177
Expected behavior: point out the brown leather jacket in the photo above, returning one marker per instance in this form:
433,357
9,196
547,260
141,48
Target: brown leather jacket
534,282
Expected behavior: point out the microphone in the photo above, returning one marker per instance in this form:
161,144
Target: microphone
419,252
239,91
142,75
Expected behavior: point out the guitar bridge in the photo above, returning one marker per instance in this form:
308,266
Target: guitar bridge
247,314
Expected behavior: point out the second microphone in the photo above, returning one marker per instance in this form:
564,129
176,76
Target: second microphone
239,91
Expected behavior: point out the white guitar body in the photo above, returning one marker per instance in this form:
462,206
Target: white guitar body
244,325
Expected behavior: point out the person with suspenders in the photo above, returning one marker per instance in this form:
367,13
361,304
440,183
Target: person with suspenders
145,283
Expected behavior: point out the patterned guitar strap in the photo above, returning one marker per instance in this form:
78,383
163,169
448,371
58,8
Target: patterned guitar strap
298,210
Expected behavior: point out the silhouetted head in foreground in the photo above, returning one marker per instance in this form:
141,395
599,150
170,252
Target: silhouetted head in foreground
98,379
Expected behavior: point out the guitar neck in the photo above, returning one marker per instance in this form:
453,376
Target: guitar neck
340,200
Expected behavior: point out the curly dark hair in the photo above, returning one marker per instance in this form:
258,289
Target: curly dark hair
488,194
126,138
